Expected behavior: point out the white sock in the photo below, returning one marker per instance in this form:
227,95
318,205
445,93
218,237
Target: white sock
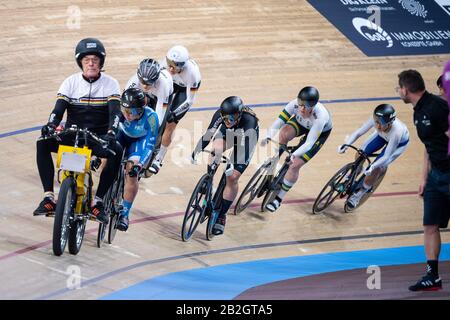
49,194
97,199
161,154
285,187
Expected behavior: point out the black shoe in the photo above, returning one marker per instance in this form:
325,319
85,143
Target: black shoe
219,226
46,207
98,211
427,283
122,224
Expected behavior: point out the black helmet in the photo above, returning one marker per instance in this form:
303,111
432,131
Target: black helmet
133,102
90,46
309,96
148,71
231,109
384,114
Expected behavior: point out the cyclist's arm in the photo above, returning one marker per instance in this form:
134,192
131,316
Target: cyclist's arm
251,132
162,100
311,138
388,152
114,112
192,86
62,103
283,117
369,124
152,125
212,128
186,105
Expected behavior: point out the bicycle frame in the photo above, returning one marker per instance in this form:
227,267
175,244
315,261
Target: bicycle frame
76,162
359,162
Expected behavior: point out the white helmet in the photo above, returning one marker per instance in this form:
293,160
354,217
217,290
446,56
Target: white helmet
177,56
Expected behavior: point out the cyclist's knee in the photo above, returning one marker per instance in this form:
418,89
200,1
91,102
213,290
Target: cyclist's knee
296,163
286,134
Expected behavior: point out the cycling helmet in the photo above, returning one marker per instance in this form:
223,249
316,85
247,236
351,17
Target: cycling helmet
148,71
133,102
90,46
308,96
177,57
231,110
384,114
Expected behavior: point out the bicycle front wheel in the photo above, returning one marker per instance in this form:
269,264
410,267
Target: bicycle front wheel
274,187
64,213
76,235
210,225
251,190
333,189
196,207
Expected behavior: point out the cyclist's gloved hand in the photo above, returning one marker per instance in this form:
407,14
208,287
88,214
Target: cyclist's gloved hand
342,148
48,129
264,141
229,170
192,158
368,171
170,116
134,171
95,163
212,167
110,137
293,156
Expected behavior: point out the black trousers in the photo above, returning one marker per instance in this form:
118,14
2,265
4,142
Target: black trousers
46,168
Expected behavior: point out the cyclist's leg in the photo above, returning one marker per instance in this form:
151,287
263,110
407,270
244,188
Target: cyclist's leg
179,97
131,185
288,132
243,150
107,177
296,164
292,174
46,169
372,145
109,173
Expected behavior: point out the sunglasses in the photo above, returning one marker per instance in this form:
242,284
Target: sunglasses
305,103
381,122
231,119
175,64
134,112
146,81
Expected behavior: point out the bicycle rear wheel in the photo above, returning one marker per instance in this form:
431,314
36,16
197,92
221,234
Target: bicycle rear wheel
76,235
333,189
367,195
252,189
64,212
196,207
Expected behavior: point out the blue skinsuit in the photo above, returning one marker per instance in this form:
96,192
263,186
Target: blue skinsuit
138,137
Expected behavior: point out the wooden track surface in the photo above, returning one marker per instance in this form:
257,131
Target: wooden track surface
263,51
